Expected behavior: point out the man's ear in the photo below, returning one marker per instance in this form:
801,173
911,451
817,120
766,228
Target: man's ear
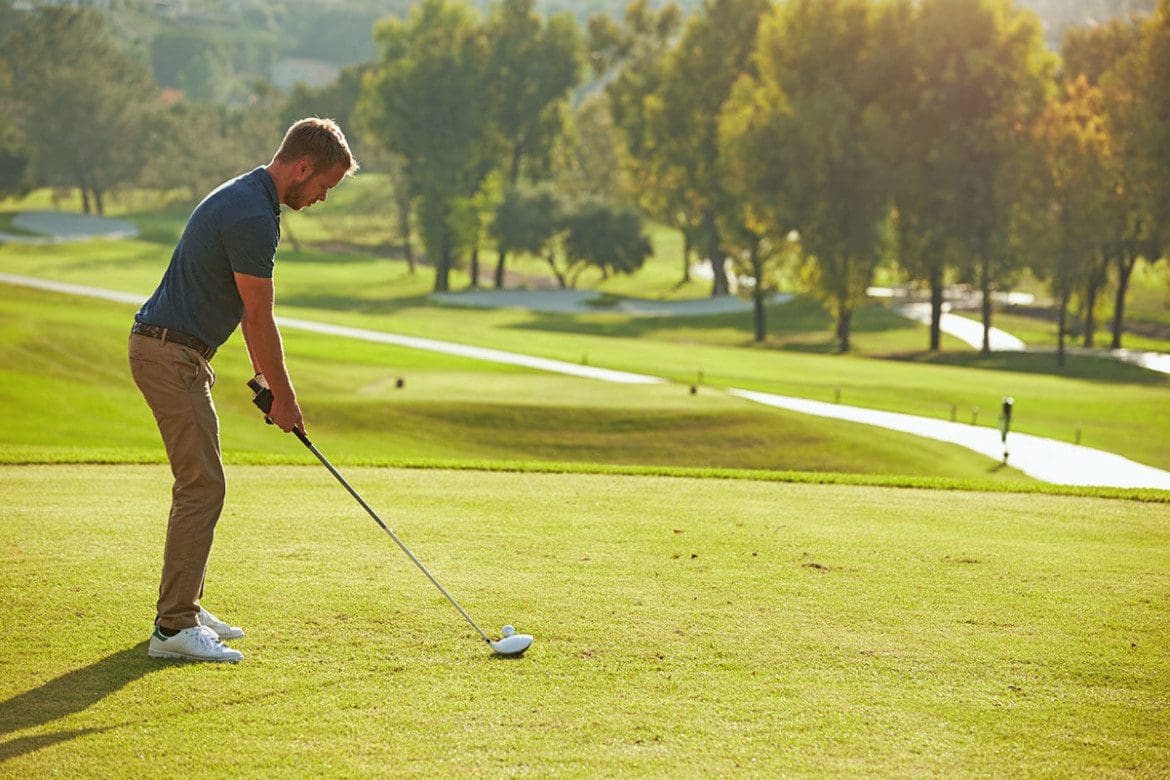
304,168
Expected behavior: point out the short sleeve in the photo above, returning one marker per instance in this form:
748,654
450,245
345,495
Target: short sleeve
250,244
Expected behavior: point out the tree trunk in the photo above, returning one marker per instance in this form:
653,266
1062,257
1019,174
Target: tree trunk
443,268
474,267
1062,327
409,247
99,202
758,295
84,200
936,302
985,288
552,263
1098,276
1125,267
503,256
844,324
714,249
686,277
404,230
1090,318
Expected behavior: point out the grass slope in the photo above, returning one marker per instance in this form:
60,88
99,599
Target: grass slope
66,384
684,627
1112,406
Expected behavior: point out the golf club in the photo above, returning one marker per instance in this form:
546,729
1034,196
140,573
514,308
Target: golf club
511,645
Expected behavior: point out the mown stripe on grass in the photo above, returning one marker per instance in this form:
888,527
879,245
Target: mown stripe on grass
31,457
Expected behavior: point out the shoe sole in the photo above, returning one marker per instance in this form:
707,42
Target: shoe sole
185,657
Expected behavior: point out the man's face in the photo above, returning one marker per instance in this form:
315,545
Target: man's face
314,186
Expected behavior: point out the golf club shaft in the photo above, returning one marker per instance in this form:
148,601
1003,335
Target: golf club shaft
305,440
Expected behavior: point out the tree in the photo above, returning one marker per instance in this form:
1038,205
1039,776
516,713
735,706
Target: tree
336,101
1108,57
758,226
85,117
630,59
814,115
533,64
1155,93
526,220
601,235
14,159
589,162
920,159
429,99
1069,214
716,47
980,75
193,61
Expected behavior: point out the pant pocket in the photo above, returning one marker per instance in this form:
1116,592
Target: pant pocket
189,368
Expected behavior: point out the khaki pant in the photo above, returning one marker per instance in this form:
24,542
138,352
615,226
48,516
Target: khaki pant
176,382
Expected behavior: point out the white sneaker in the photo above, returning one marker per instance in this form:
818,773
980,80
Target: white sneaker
195,644
221,629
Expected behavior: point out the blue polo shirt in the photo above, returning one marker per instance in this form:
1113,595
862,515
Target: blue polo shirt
234,230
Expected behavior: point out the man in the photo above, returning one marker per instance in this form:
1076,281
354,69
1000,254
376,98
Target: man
220,276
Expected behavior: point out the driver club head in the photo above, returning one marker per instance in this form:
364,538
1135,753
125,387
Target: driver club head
512,646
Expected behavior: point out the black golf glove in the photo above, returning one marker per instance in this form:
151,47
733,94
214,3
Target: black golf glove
263,395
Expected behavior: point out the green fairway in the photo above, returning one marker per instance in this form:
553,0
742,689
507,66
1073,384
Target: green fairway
684,627
73,350
1110,406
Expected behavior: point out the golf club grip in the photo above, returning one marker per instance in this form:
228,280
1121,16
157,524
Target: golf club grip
325,462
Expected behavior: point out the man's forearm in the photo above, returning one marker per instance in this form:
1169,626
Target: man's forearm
267,352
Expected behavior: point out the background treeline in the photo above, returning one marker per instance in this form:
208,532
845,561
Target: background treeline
942,136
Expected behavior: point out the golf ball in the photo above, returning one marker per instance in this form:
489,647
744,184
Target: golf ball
508,631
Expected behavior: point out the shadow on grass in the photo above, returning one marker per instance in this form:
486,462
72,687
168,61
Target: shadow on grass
329,302
1094,369
801,324
66,695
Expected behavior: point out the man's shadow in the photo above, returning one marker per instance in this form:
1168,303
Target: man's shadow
70,693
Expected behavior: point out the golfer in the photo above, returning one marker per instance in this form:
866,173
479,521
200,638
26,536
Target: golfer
220,276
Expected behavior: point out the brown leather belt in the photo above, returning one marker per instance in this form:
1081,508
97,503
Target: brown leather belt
177,336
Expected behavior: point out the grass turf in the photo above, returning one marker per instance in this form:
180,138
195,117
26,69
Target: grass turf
1110,406
684,627
73,350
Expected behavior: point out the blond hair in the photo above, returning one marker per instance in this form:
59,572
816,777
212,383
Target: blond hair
320,141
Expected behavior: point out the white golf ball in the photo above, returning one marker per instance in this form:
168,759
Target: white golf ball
508,631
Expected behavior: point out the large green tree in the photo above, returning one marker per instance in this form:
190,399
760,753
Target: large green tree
534,64
816,117
601,235
630,59
1155,91
759,224
83,104
527,219
1069,186
1109,57
13,151
980,76
430,99
715,49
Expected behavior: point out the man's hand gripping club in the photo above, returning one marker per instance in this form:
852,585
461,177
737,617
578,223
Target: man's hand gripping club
263,399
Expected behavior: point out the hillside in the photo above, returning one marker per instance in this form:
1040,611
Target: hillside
259,38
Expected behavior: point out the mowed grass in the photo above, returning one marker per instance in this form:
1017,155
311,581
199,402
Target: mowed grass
64,378
1109,405
683,627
